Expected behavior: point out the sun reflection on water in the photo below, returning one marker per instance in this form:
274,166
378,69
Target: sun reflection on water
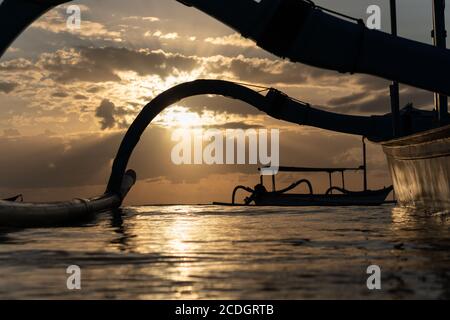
207,252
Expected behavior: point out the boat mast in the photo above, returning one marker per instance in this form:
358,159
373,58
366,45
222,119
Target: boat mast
439,35
394,87
364,163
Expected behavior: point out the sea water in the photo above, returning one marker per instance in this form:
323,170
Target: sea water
213,252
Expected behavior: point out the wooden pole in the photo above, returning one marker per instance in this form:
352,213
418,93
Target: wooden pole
395,87
365,163
439,35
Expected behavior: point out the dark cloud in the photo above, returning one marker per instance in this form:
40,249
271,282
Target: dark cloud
93,89
109,115
80,97
106,112
60,94
56,162
7,87
101,64
419,98
350,99
263,71
370,83
380,102
11,132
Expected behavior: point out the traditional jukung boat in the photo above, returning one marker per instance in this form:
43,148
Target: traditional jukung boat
334,196
261,197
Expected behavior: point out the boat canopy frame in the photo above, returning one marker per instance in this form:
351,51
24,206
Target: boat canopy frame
329,170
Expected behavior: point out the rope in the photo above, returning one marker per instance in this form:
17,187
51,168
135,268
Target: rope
264,89
339,14
251,85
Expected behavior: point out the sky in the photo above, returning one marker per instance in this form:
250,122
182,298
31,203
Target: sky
68,96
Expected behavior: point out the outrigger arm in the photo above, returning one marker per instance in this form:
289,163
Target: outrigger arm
376,127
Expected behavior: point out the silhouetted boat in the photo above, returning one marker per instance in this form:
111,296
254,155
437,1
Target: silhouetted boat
261,197
347,198
18,198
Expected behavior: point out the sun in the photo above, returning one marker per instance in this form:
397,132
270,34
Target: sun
181,117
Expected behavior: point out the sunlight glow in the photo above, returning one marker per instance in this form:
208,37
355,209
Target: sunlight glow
181,117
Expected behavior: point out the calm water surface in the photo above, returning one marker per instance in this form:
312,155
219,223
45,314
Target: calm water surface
208,252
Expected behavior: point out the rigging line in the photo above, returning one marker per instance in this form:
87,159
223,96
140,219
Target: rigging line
300,101
269,88
358,20
264,89
251,85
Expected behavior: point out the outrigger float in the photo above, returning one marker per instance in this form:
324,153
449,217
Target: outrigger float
334,196
16,213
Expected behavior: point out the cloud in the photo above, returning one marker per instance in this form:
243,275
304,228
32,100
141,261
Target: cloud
111,116
106,112
60,94
80,97
371,83
55,21
7,87
11,132
349,99
234,40
16,65
102,64
149,19
57,161
379,101
257,70
164,36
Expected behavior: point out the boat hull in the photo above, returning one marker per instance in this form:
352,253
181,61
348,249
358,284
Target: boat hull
420,169
25,215
366,198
